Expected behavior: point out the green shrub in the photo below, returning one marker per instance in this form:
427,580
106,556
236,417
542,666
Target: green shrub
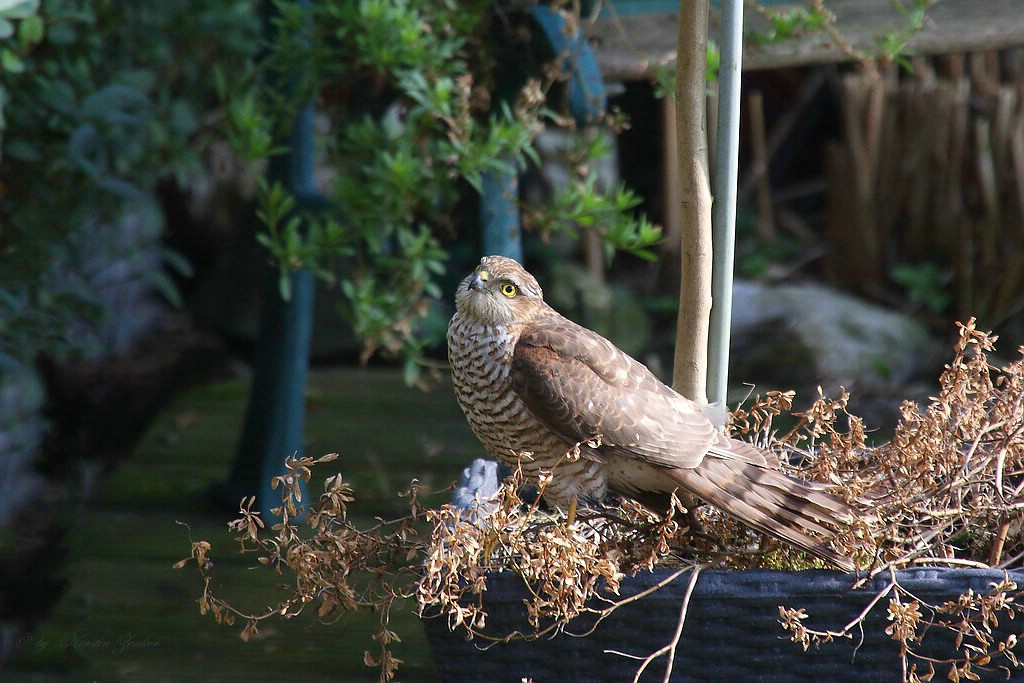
99,100
420,99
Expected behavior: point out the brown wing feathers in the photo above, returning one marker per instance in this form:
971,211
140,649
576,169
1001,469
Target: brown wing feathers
579,385
579,388
770,502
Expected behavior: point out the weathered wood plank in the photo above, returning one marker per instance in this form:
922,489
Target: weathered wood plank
627,46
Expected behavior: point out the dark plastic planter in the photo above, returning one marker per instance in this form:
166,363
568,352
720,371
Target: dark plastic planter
731,633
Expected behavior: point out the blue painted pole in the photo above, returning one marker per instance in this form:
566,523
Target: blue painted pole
499,195
723,217
499,214
587,94
274,426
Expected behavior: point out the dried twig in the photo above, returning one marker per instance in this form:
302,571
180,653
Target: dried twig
670,648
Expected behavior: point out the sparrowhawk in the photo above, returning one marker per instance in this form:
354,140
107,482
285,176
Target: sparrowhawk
535,386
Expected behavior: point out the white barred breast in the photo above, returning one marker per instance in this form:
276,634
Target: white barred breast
480,357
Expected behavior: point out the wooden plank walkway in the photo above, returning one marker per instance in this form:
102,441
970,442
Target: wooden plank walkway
128,616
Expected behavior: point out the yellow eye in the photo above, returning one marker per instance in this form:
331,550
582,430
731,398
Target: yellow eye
509,290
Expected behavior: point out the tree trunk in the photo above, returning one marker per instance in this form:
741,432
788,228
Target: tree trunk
690,367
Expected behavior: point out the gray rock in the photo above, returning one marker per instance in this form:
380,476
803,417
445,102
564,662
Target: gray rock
803,335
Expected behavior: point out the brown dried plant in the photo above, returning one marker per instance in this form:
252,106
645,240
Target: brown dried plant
947,490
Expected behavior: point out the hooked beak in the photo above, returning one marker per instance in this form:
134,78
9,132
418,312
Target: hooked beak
478,280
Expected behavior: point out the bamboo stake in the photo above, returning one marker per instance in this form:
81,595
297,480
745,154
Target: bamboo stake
921,142
1017,152
953,195
876,89
1002,122
863,252
942,152
759,169
989,193
954,199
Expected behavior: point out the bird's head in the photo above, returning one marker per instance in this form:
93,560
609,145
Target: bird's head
499,291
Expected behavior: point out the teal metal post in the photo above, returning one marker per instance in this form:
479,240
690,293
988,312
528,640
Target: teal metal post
275,416
587,94
723,217
499,196
499,214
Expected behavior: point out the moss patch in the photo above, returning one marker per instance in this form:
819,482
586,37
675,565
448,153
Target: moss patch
128,616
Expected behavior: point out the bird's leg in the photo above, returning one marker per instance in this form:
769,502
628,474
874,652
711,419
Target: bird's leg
696,528
696,525
572,510
688,505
